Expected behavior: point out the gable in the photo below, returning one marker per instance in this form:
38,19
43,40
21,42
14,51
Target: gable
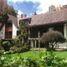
13,19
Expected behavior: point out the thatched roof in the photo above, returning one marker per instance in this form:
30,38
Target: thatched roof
59,16
50,17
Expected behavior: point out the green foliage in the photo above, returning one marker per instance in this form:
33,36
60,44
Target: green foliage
1,48
7,44
16,49
22,37
21,42
1,52
13,49
23,28
11,11
47,59
50,60
50,39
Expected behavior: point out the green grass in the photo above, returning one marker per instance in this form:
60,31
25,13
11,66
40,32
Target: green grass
20,59
30,54
61,54
37,54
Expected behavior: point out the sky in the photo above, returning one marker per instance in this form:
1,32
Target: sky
39,6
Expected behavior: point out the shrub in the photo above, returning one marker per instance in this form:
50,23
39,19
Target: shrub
49,60
1,52
16,49
6,44
1,48
51,38
13,49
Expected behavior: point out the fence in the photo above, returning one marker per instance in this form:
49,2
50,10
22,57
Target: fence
34,42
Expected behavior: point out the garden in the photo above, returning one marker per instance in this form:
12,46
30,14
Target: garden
34,59
17,53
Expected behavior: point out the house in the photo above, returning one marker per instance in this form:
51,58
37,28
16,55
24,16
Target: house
8,27
3,5
8,23
55,19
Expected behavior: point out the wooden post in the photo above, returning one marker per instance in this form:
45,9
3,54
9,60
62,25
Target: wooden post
35,43
65,31
39,39
31,43
29,33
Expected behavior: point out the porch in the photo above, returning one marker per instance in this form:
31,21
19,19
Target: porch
36,32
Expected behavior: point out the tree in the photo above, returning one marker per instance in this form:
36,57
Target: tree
22,38
11,11
3,18
51,38
23,29
21,41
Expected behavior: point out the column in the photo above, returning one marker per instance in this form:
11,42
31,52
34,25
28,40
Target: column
65,33
65,30
28,32
39,39
31,43
35,43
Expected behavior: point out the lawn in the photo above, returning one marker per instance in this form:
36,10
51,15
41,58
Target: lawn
29,54
61,54
38,54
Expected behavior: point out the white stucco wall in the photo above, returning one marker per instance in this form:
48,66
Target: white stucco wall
18,18
14,31
2,33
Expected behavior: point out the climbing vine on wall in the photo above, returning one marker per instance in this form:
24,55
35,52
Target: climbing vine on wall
22,38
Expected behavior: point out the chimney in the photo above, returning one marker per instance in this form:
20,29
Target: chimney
52,8
65,6
23,15
19,18
34,13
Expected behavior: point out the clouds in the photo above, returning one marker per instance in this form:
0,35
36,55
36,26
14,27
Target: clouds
16,0
40,6
27,7
44,4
